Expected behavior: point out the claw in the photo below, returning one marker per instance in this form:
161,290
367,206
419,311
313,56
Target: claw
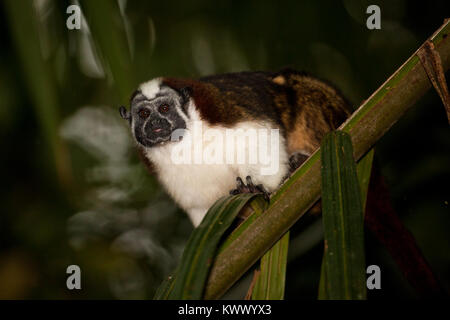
240,184
234,192
250,187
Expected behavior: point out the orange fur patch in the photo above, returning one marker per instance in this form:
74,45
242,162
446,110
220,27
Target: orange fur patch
279,80
300,140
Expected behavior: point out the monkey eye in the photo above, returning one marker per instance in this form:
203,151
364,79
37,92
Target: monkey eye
144,113
163,108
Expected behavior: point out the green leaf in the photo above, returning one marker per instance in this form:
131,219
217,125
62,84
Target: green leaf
271,280
364,169
193,270
109,36
323,293
344,261
258,205
37,72
165,288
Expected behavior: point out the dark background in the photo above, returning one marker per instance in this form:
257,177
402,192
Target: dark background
73,189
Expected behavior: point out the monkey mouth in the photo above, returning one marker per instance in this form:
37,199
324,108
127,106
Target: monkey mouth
152,136
154,140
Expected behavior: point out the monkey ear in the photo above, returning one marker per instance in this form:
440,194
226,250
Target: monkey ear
186,93
125,114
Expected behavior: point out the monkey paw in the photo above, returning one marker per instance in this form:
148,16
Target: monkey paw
241,187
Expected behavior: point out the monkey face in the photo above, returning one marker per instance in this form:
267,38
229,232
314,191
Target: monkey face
153,119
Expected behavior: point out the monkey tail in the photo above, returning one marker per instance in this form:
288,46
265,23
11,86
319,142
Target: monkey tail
384,223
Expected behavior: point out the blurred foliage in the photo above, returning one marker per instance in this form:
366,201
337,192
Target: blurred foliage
59,94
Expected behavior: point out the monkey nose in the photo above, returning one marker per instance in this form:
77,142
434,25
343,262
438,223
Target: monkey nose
155,122
156,125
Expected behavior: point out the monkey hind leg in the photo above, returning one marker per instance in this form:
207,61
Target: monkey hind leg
249,187
296,160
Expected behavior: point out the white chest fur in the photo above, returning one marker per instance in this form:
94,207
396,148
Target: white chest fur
195,185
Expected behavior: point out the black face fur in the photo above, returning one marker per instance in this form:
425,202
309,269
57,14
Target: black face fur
154,120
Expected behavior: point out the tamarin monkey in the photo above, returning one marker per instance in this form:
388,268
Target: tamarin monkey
300,106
